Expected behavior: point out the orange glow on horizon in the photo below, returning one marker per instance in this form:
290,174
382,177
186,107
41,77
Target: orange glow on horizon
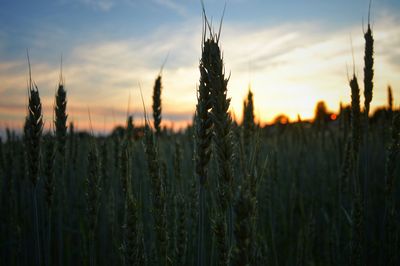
283,120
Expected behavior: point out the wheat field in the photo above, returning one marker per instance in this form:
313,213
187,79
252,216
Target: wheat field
219,192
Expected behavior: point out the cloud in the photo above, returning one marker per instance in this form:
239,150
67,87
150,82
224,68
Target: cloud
100,76
294,66
174,6
102,5
290,68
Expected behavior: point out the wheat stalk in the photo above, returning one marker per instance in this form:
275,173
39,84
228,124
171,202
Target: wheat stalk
33,135
157,104
93,192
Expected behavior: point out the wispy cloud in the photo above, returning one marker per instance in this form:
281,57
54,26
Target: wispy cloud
102,5
294,66
290,67
174,6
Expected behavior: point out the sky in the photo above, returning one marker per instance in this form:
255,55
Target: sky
292,54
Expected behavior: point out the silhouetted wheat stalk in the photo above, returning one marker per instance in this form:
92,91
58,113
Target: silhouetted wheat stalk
368,68
158,194
217,87
368,91
133,239
357,242
243,208
157,104
60,122
62,187
93,192
33,131
390,102
248,123
49,154
203,135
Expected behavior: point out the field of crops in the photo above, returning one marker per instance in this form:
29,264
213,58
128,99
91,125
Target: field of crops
220,192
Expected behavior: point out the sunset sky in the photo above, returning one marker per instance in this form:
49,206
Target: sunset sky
293,53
